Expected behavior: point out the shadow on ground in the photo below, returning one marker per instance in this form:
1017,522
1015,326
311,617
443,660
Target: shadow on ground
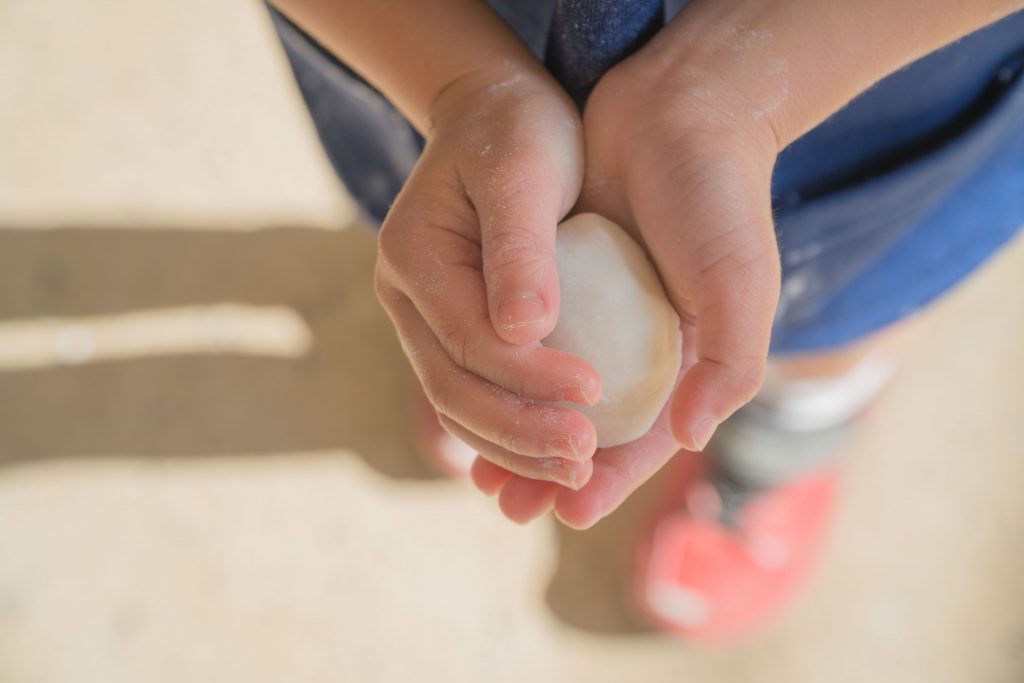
590,589
346,393
350,392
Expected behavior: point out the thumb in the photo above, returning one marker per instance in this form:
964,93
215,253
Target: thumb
519,202
714,242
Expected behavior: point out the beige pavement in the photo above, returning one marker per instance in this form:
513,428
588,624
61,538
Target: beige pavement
205,471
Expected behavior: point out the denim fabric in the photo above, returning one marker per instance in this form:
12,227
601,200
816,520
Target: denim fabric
587,38
879,210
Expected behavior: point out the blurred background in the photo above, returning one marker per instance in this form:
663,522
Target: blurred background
206,472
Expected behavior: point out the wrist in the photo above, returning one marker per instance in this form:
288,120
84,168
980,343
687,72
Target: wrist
503,87
505,120
790,65
726,69
655,100
410,49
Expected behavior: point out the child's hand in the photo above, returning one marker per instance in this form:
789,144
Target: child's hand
466,271
684,164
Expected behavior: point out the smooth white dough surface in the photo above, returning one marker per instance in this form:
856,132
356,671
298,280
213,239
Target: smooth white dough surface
615,315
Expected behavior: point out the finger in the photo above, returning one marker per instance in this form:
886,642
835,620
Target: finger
621,470
618,472
530,370
440,270
489,412
456,312
488,477
523,500
559,470
715,245
520,195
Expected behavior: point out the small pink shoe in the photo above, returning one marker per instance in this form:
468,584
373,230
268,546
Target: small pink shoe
726,561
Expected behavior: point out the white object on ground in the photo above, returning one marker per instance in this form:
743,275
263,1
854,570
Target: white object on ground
616,316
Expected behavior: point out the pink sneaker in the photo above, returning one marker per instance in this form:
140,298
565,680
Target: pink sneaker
727,560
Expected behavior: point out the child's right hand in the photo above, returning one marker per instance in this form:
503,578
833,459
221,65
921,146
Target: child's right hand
466,271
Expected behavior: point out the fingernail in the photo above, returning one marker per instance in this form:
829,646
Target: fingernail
591,389
581,474
703,431
567,447
560,471
587,392
572,480
525,308
573,395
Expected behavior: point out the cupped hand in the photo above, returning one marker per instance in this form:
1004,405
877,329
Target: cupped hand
683,161
466,272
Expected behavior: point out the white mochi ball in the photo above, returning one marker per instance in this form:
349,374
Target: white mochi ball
616,316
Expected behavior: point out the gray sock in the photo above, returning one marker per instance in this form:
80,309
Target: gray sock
794,426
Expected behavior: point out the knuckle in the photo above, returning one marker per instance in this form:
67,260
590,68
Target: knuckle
396,251
456,340
438,392
735,249
391,298
519,383
515,253
518,370
447,424
389,244
739,269
382,288
504,460
510,440
512,158
496,455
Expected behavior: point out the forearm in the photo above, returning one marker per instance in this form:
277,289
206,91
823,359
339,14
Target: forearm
411,50
798,61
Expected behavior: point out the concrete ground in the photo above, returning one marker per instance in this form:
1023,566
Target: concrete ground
205,470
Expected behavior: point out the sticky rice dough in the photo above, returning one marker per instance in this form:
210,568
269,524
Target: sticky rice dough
616,316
